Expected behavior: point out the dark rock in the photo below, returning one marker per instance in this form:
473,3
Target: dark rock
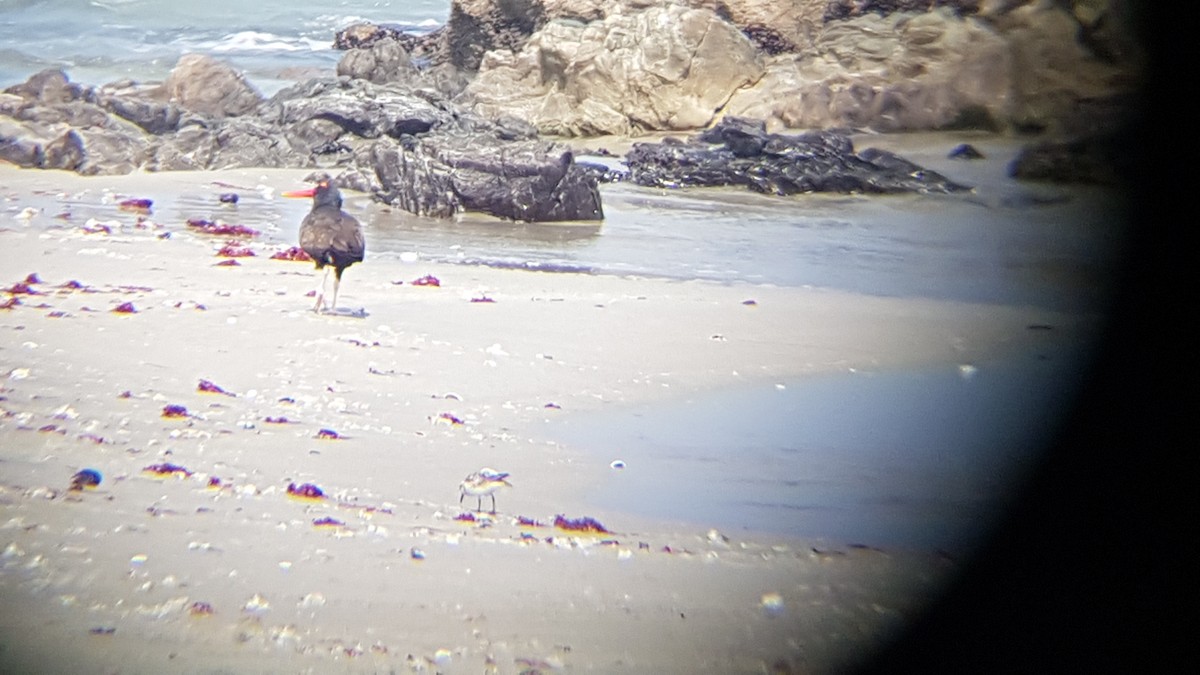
771,41
65,152
838,10
1096,160
156,117
478,26
446,173
965,151
364,35
356,106
18,147
740,152
48,87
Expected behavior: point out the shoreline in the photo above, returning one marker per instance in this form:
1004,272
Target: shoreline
434,382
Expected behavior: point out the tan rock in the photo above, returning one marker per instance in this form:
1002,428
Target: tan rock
664,68
207,86
899,72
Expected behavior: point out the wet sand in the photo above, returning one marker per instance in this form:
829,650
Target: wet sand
216,567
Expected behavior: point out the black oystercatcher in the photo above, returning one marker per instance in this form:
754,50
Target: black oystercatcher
329,235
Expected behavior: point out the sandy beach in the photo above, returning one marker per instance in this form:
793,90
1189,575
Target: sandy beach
131,344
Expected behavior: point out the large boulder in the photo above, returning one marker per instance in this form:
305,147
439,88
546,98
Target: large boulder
384,60
665,68
739,151
451,172
210,87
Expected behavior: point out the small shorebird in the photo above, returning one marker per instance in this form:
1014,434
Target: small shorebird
483,482
329,235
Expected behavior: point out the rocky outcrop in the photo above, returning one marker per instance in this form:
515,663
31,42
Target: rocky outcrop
409,146
663,68
49,122
568,66
741,152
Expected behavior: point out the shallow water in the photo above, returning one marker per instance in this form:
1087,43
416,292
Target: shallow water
1005,242
915,459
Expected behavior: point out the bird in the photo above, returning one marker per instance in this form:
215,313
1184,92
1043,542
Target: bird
483,482
329,235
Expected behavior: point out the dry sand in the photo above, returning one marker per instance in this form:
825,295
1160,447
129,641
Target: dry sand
222,571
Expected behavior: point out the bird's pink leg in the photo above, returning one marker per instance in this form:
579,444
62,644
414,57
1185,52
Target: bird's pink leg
321,292
337,282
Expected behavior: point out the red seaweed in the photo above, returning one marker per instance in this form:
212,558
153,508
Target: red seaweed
125,308
277,420
449,418
166,469
73,285
135,204
329,435
305,491
11,302
22,288
232,250
465,517
209,388
522,521
98,228
328,522
173,410
33,278
220,228
201,609
585,524
482,298
228,263
427,280
294,253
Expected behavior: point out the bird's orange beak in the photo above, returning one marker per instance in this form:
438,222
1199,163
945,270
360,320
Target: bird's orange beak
299,193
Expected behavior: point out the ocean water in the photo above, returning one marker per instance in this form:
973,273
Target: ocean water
273,42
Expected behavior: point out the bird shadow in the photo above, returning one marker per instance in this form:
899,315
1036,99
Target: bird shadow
358,313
